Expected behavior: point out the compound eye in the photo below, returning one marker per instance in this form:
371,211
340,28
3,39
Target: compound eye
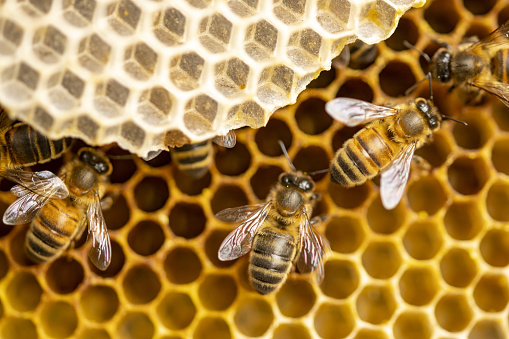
305,185
85,157
433,123
285,180
422,105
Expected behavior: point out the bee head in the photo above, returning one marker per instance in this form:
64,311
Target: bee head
96,160
430,111
302,182
441,65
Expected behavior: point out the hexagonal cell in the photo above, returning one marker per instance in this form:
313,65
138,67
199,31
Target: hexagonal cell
140,61
341,279
426,195
118,214
64,275
116,265
290,331
170,26
151,194
132,133
141,285
345,234
135,325
212,328
11,35
176,311
249,112
263,180
4,265
14,328
59,319
185,70
310,159
289,11
215,33
368,333
491,293
36,7
487,328
146,238
333,15
233,161
415,325
464,220
396,70
199,3
260,40
275,85
24,292
49,44
19,81
423,240
94,53
187,220
254,317
111,98
304,48
154,105
42,118
79,12
376,304
357,89
94,333
243,8
494,247
381,259
217,292
437,151
212,245
267,137
468,175
475,134
442,17
99,303
200,114
311,116
385,221
231,76
334,321
497,199
458,268
65,89
227,196
406,31
419,285
295,298
124,16
349,198
453,313
371,32
182,266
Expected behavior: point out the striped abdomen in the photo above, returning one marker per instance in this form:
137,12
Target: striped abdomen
52,230
194,159
363,156
500,65
271,259
27,147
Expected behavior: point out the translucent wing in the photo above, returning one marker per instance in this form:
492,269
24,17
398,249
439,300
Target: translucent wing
229,140
100,253
240,240
25,208
343,59
43,183
395,178
497,88
313,249
496,39
241,213
353,112
152,155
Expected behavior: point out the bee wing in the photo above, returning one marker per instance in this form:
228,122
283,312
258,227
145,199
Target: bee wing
313,248
25,208
395,178
100,253
228,140
241,213
497,38
497,88
43,183
152,155
240,240
353,112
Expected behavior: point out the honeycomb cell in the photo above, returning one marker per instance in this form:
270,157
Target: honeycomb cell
437,151
146,238
118,214
310,159
311,116
64,275
474,135
496,201
376,304
201,111
212,328
357,89
20,80
215,33
415,325
199,3
212,245
264,179
170,26
231,76
291,331
458,268
151,194
295,298
453,313
94,333
141,285
243,8
187,220
385,221
233,161
418,285
186,70
49,44
65,89
487,328
267,137
479,8
132,133
15,328
500,154
406,31
333,15
345,234
228,196
370,31
117,262
423,240
261,40
396,70
491,293
289,11
140,61
79,12
334,321
254,317
381,259
88,128
24,292
189,185
467,176
426,195
4,264
494,247
275,84
135,325
182,266
110,98
59,319
17,249
341,279
463,220
442,16
124,16
94,53
304,48
99,303
323,81
365,333
176,311
217,292
11,35
42,118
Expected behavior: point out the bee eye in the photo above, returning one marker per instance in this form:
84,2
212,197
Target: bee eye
422,106
433,123
305,185
85,157
286,180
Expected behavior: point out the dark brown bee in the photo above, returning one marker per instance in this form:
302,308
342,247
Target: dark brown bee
278,233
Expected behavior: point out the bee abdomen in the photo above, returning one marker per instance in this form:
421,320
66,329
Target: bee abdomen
500,66
194,159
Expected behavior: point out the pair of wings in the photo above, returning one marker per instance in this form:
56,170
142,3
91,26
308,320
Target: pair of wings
34,189
240,240
353,112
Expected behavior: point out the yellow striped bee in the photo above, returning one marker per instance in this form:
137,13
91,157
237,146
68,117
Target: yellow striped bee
278,232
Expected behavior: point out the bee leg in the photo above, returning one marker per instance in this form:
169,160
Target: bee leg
421,163
318,219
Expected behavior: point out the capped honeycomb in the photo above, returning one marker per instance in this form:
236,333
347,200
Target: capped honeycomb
153,74
435,267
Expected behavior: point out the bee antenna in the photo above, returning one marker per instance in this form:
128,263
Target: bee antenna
283,148
421,53
414,86
121,157
445,117
319,172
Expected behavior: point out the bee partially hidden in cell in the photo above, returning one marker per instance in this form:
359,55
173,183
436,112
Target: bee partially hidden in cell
387,144
57,223
278,232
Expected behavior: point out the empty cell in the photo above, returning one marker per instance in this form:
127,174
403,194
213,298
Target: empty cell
99,303
215,32
94,53
23,292
135,325
311,116
169,26
406,31
182,266
311,159
217,292
467,176
267,137
42,118
249,112
463,220
124,16
146,238
200,114
349,198
151,194
154,105
231,76
260,40
385,221
79,12
254,317
212,245
345,234
17,249
49,44
341,279
132,133
494,247
381,259
228,196
396,70
185,70
11,35
233,161
479,7
187,220
289,11
64,275
199,3
94,333
376,304
264,179
59,319
458,268
418,285
20,81
4,264
453,313
333,14
140,61
141,285
190,185
426,195
243,8
415,325
496,201
15,328
500,155
491,293
423,240
487,328
212,328
357,89
474,135
291,331
367,333
304,48
295,298
275,84
117,216
323,81
65,89
442,16
176,311
110,98
370,30
436,152
116,265
334,321
36,8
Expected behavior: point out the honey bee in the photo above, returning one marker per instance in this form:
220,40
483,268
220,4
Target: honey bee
278,232
57,223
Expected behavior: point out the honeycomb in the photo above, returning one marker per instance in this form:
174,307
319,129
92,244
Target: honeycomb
434,267
152,74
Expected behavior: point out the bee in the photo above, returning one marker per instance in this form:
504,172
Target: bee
278,232
57,223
